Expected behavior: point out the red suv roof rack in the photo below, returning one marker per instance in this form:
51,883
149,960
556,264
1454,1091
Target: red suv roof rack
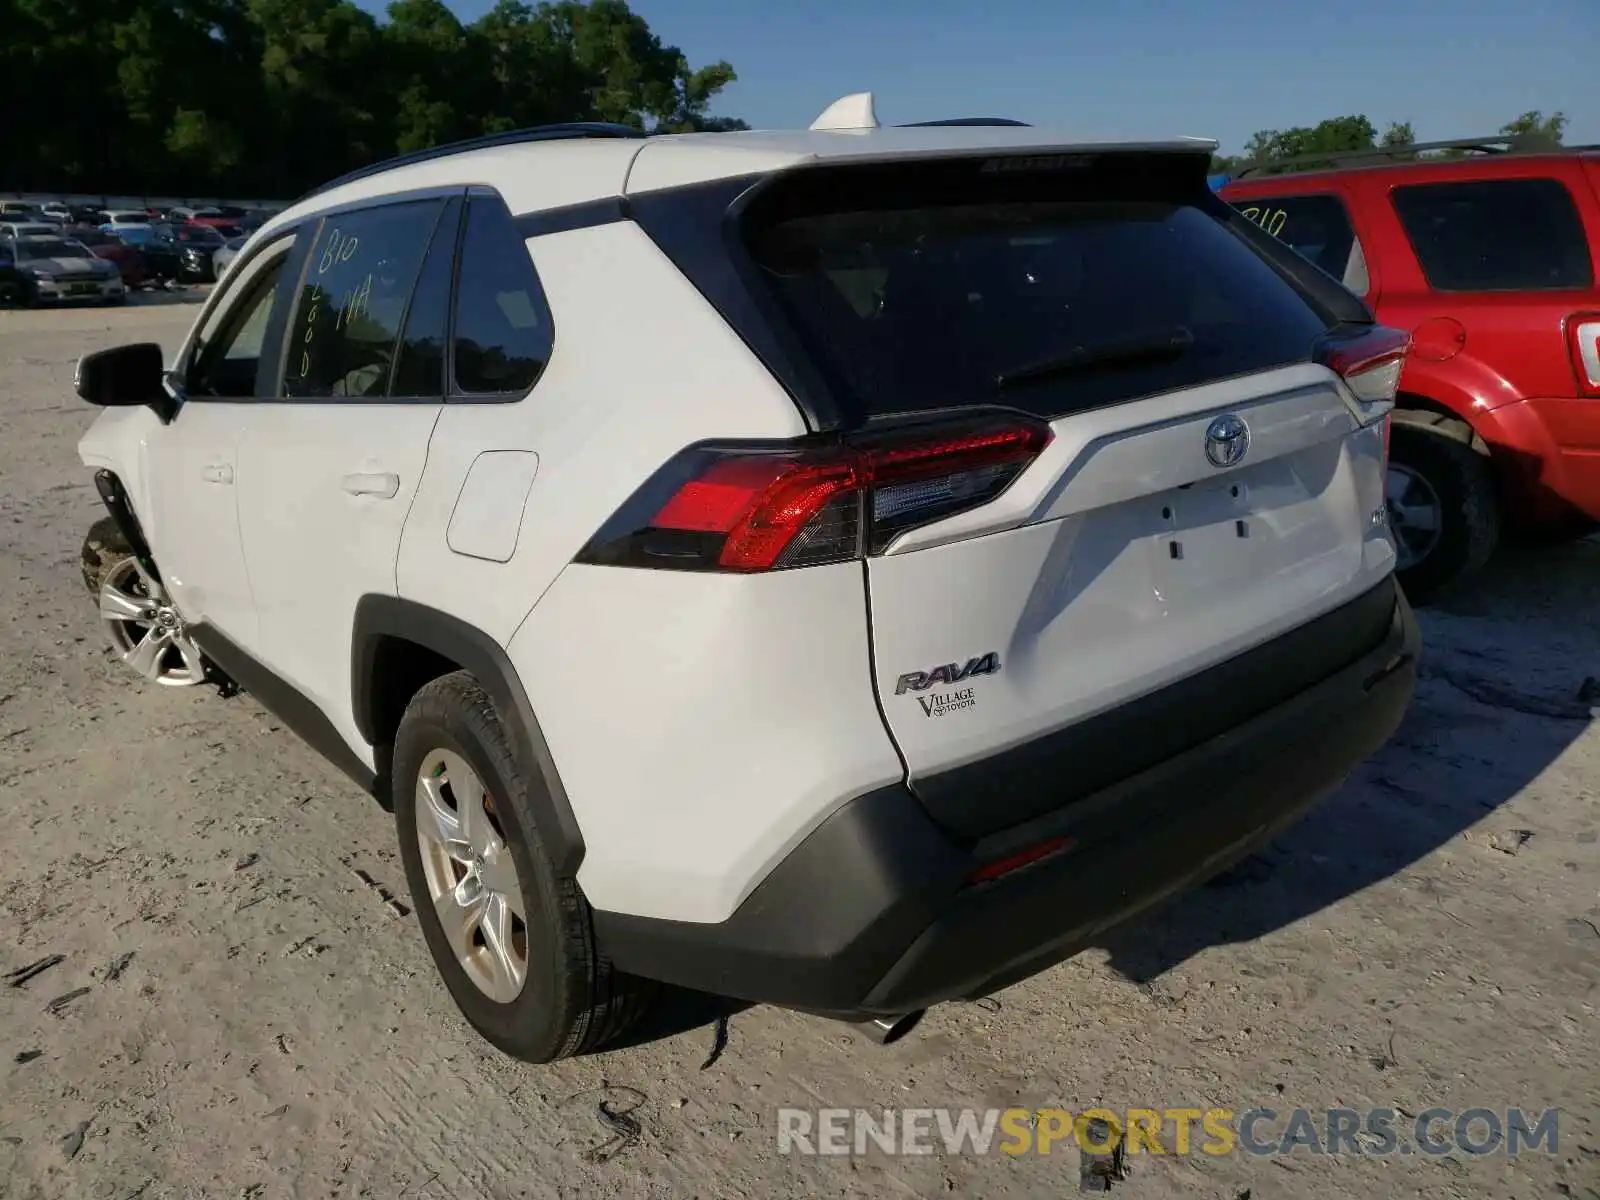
1498,144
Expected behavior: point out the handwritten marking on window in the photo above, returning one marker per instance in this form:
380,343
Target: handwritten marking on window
340,248
313,309
1271,219
357,303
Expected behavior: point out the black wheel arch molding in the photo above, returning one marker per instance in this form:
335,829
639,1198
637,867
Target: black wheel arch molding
115,498
385,623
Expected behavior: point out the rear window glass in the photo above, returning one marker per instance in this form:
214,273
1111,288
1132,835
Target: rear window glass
1043,303
1496,235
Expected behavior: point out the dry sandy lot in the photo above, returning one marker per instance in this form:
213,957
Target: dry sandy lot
1430,936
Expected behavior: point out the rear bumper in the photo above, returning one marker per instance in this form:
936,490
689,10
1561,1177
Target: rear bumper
50,292
1548,453
873,914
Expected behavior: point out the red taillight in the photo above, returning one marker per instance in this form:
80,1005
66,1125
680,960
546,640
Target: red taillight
737,509
1015,862
1369,361
1583,344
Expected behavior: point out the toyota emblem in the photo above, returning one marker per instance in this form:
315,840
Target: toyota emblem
1227,441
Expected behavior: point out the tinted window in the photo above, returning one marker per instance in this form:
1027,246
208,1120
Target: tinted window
922,305
1317,227
51,249
503,330
358,279
1496,235
420,368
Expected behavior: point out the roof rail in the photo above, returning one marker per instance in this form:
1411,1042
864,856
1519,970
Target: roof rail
513,137
1500,143
966,121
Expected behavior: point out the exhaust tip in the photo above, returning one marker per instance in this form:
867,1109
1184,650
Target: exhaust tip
888,1030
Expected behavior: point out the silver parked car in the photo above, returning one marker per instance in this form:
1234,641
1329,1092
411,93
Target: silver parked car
63,270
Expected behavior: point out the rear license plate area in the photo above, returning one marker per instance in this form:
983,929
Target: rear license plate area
1207,536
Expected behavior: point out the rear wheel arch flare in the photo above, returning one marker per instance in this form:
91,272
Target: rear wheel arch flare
398,645
1414,409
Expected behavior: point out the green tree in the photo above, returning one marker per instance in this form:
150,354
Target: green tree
1326,137
269,97
1398,134
1537,128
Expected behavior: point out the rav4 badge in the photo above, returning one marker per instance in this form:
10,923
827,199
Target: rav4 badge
921,681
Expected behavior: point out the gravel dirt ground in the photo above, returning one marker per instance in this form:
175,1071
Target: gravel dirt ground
238,1013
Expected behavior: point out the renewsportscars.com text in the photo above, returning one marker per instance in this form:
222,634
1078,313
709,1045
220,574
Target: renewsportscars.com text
1179,1131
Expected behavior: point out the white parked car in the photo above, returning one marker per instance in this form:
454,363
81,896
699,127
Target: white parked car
847,569
222,258
116,221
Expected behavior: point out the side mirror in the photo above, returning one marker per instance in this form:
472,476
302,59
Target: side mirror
124,377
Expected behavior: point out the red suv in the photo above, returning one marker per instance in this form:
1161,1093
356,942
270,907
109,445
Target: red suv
1490,261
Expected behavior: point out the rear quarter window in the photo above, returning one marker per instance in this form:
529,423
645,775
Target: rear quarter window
1496,235
923,299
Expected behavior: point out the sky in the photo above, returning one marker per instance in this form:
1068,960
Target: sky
1221,69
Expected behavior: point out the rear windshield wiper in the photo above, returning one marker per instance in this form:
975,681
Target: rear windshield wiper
1169,343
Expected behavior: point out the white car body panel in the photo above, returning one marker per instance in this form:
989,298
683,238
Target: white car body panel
315,541
115,442
601,418
191,517
702,724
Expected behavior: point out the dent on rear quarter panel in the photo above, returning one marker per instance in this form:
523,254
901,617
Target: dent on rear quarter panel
702,723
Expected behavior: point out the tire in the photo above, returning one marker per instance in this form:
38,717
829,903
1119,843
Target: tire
103,547
13,294
1440,454
571,1000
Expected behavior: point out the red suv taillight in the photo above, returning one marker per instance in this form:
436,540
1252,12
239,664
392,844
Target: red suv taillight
1583,344
750,508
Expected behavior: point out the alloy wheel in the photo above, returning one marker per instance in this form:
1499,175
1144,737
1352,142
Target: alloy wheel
472,880
1416,516
145,630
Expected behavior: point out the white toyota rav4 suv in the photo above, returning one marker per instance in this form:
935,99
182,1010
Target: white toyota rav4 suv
847,569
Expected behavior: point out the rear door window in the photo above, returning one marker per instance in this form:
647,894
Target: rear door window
1051,293
419,366
359,276
1316,227
1496,235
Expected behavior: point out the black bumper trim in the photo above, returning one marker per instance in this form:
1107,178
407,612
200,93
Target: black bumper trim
870,915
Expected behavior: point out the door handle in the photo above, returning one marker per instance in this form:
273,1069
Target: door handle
382,484
217,473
